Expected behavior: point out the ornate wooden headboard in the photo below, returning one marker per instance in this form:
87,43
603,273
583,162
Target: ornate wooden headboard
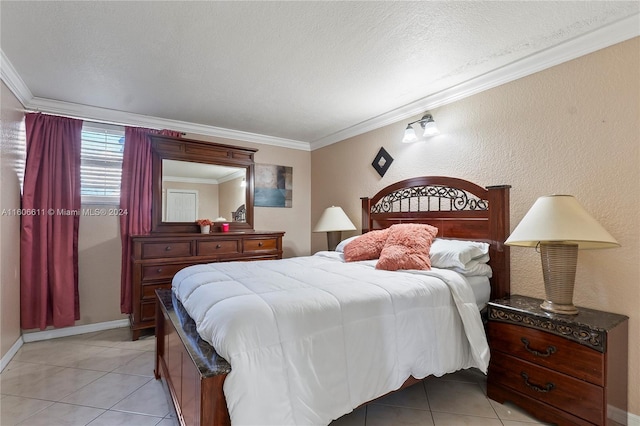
458,208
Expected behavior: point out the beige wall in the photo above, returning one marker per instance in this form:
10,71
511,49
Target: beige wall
12,154
99,253
573,129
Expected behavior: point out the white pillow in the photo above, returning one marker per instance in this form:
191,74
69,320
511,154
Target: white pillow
343,243
446,253
475,269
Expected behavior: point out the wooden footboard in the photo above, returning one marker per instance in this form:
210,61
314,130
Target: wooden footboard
193,372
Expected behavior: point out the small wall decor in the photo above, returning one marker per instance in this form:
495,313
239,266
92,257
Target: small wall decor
382,162
273,186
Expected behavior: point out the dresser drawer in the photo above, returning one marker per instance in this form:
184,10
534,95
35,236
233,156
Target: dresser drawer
147,311
548,350
260,244
149,290
559,390
162,271
209,248
167,249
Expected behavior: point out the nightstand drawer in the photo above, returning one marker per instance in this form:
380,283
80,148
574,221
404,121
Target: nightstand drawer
559,390
548,350
260,245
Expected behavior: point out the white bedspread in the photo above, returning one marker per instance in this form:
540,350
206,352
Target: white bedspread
311,338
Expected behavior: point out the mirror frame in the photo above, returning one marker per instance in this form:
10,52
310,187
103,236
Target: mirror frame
171,148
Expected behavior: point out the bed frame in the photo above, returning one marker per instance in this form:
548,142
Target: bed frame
193,372
458,208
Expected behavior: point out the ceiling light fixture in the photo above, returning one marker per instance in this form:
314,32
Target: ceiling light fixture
427,124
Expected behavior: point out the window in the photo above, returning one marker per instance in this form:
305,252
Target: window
101,163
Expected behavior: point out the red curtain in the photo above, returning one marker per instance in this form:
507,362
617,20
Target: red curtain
49,235
135,198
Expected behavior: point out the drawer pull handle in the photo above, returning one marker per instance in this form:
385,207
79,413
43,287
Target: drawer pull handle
218,246
260,244
159,270
167,248
550,350
547,388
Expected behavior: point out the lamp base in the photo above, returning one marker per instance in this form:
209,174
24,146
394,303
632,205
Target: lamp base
559,263
558,308
333,239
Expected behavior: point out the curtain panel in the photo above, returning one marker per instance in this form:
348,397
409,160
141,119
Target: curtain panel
49,235
135,198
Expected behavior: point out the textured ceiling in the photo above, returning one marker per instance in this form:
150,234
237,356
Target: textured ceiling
295,70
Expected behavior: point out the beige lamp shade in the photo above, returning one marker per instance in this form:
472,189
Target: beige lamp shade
561,219
334,219
559,226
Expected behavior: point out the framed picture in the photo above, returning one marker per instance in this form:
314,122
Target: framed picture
382,162
273,186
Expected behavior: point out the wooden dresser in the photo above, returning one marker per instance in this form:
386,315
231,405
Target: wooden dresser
156,259
564,369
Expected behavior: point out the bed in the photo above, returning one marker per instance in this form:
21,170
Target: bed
313,341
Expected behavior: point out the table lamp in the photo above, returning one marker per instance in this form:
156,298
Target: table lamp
559,226
333,221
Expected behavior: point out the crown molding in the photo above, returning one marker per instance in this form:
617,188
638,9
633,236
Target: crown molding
12,79
616,32
112,116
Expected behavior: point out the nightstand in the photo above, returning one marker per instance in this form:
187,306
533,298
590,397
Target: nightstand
564,369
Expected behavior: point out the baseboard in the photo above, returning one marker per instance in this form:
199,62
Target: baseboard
623,417
72,331
4,361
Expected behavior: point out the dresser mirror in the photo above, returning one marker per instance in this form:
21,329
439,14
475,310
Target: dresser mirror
191,191
200,180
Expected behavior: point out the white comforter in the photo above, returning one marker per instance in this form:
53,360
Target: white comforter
311,338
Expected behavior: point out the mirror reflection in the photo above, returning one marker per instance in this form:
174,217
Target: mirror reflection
192,191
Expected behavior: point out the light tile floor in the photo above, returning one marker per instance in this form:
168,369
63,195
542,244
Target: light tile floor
105,379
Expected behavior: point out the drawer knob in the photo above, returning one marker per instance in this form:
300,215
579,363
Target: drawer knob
550,350
547,388
260,244
218,246
167,248
159,270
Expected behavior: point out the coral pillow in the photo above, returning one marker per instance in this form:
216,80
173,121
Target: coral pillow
407,247
367,246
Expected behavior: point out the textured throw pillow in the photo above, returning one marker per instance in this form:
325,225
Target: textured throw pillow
367,246
407,247
340,247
